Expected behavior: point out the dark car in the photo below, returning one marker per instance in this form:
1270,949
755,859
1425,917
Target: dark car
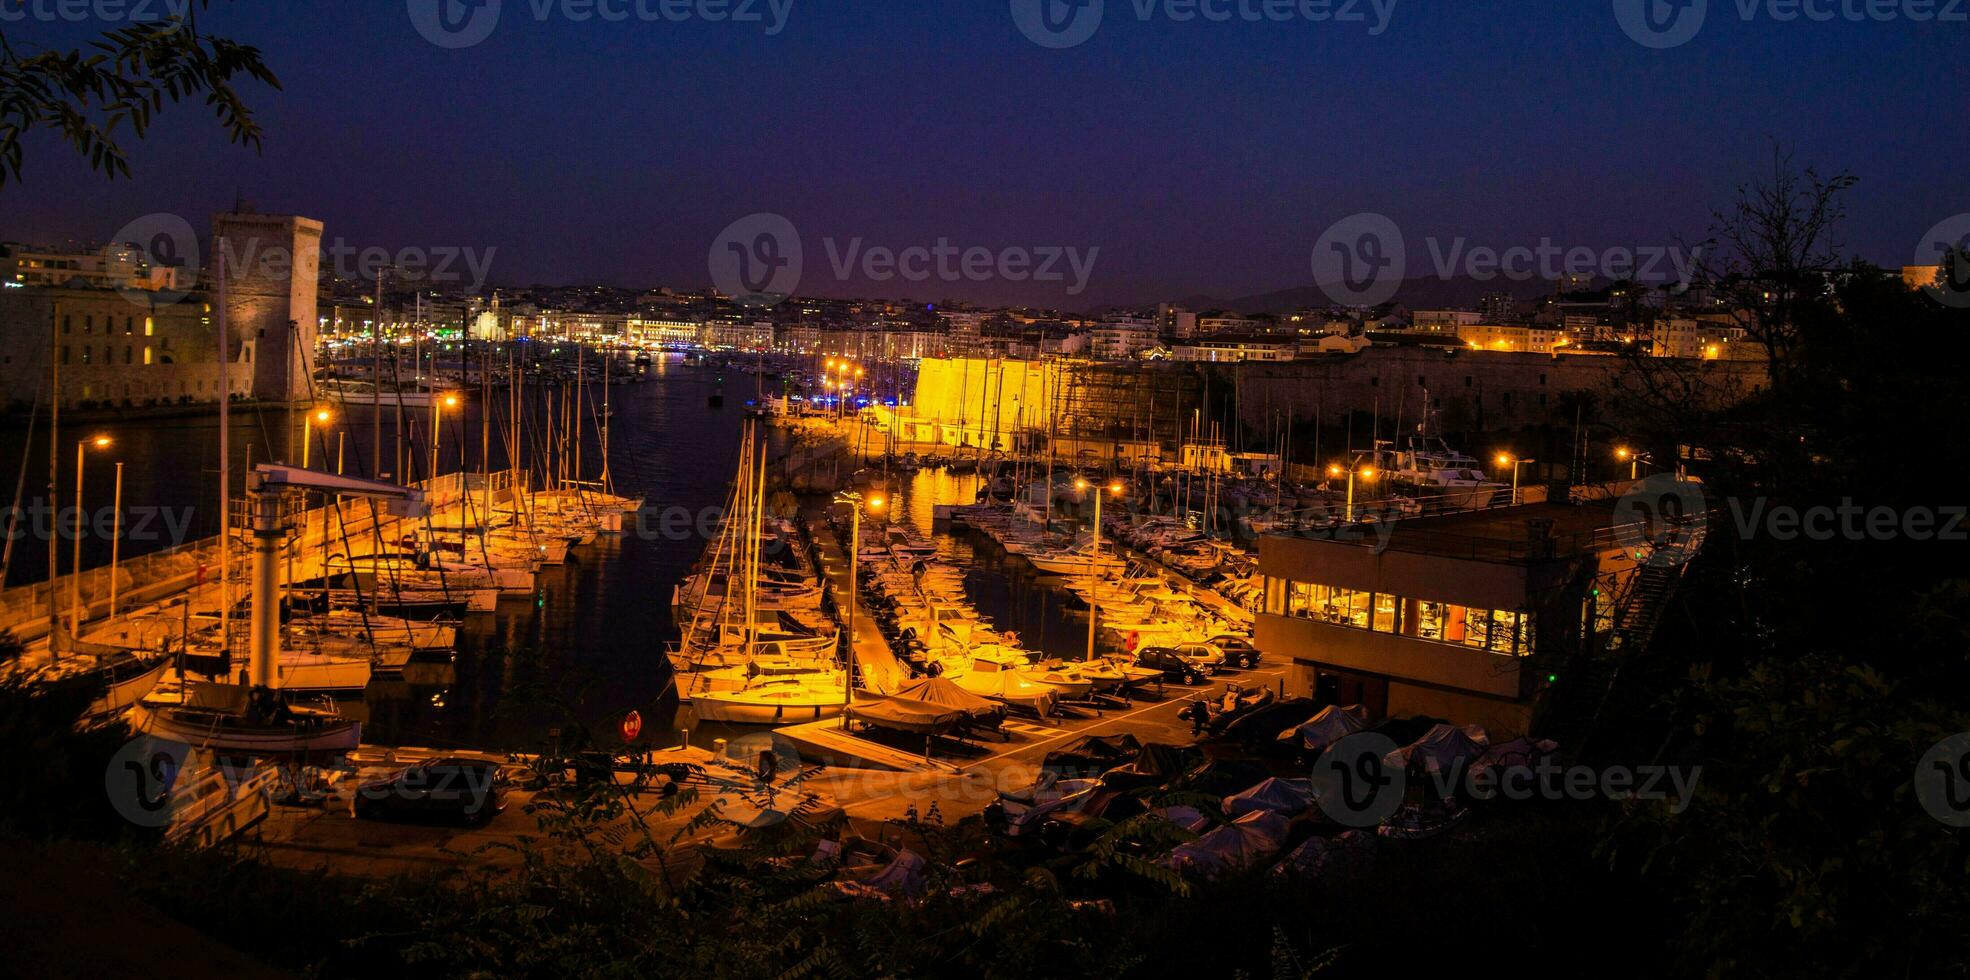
466,790
1175,666
1238,651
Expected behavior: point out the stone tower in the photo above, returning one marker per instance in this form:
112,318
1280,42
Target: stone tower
273,269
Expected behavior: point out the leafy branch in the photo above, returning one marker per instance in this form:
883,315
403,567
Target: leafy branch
121,82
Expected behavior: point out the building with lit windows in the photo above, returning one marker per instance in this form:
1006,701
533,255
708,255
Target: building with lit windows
1463,617
1511,337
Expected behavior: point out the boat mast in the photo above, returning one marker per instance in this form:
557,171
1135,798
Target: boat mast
225,459
54,469
376,382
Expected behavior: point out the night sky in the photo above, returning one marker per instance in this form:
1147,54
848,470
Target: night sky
1201,158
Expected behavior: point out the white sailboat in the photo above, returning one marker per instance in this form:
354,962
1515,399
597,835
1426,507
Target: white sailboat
760,692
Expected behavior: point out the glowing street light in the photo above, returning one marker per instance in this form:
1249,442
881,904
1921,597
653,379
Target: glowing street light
1094,566
319,417
1367,475
1507,459
856,502
75,557
1634,461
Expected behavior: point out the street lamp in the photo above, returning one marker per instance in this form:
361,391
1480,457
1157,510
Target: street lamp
75,558
855,501
1634,461
1507,459
1367,474
449,402
318,417
1094,565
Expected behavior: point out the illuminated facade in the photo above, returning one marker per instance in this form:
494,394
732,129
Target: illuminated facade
1460,617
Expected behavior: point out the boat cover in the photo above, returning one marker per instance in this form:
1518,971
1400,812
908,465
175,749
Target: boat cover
1332,724
1093,754
1445,748
1519,754
945,692
1279,796
906,715
1244,842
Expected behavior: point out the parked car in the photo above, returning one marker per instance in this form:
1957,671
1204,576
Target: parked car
1238,650
1207,657
460,789
1175,667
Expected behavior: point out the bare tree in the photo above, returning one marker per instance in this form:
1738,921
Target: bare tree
122,79
1779,237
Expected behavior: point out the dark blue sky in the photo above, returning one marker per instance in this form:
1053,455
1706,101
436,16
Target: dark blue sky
1199,157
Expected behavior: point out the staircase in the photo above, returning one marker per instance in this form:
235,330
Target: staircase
1641,610
1594,675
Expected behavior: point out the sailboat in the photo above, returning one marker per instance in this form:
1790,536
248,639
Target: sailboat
257,717
762,690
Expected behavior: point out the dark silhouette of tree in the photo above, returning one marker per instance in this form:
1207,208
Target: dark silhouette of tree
122,80
1780,244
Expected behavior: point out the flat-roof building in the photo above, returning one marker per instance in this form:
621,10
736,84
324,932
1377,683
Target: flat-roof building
1459,617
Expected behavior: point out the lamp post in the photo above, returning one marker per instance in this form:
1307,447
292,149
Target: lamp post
1507,459
115,540
855,507
321,417
75,558
1367,474
449,401
1094,566
1634,461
